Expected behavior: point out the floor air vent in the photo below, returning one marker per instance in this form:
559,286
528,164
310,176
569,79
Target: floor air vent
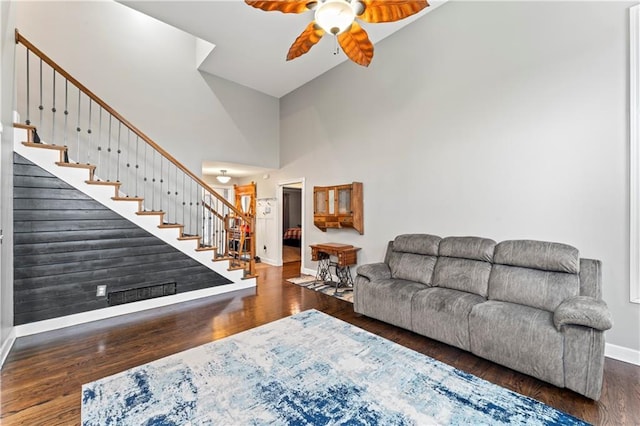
143,293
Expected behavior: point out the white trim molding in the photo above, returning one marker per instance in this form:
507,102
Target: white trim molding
269,261
127,308
7,345
634,151
309,271
621,353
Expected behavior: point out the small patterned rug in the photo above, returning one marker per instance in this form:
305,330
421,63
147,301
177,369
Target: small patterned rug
326,287
307,369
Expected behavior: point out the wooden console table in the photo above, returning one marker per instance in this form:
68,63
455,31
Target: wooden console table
346,256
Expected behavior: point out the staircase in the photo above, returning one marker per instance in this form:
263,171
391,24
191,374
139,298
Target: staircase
76,136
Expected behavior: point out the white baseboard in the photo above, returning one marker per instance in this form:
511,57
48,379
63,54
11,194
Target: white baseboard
309,271
129,308
621,353
269,261
7,345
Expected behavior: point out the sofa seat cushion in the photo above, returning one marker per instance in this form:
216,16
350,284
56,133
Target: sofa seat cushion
443,314
518,337
387,300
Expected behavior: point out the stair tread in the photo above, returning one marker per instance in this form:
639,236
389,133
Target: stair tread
127,199
24,126
102,182
221,258
77,165
171,225
190,237
151,213
45,146
207,249
235,268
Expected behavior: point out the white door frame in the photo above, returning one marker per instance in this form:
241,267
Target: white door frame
634,151
280,198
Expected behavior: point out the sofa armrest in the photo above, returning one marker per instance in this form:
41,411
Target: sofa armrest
375,271
585,311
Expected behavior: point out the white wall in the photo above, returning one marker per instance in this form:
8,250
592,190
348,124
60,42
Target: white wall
7,19
146,70
502,120
267,230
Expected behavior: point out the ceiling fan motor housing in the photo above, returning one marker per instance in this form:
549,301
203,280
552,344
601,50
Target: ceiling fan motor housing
335,16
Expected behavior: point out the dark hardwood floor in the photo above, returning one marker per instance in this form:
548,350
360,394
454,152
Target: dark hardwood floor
290,254
43,375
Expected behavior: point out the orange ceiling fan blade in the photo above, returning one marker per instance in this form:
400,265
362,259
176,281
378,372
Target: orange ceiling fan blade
390,10
356,45
284,6
305,41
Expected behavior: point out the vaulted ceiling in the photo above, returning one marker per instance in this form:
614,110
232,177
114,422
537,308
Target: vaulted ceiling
251,45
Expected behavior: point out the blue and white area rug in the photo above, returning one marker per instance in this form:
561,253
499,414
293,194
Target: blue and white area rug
307,369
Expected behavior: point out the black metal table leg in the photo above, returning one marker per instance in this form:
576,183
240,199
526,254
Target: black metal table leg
324,264
344,278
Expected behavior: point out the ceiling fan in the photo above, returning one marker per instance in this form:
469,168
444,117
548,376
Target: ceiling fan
338,17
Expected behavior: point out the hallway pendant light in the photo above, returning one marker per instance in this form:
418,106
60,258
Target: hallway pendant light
223,178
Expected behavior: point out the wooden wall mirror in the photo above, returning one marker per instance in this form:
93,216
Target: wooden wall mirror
245,198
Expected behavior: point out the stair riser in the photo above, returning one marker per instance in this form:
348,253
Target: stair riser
38,155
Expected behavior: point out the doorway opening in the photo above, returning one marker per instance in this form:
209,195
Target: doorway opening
291,196
291,223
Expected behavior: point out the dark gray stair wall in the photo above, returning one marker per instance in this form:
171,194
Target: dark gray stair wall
66,244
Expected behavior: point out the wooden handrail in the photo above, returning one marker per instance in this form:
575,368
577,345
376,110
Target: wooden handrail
21,39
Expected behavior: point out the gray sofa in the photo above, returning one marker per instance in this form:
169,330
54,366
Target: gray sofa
532,306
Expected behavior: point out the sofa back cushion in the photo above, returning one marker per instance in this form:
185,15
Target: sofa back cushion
413,257
464,264
534,273
541,255
417,243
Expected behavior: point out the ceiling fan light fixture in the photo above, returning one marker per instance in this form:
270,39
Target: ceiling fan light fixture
338,17
223,178
334,16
